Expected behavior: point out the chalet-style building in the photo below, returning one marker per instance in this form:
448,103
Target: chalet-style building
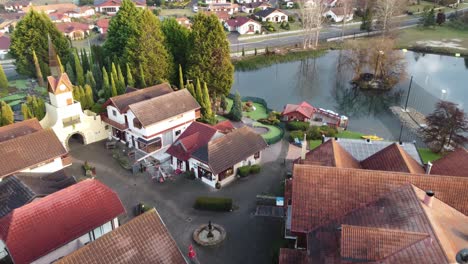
272,15
111,7
52,227
64,115
250,7
453,164
306,113
243,25
144,239
151,119
214,157
27,147
342,215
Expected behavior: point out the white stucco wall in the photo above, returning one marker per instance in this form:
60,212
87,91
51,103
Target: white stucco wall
159,127
52,166
118,117
244,28
272,16
60,100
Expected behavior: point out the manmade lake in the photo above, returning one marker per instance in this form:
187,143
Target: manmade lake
323,84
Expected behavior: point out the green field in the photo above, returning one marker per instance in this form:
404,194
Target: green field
259,112
427,155
349,134
14,97
273,131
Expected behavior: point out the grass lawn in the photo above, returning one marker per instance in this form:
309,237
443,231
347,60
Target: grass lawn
314,143
427,155
14,97
444,39
260,112
19,84
349,134
273,131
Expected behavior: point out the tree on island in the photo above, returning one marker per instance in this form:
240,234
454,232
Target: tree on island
208,54
446,127
31,34
236,110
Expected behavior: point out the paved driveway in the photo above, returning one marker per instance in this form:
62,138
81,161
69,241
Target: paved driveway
249,239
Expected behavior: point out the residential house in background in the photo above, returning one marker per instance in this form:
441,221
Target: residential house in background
26,147
230,8
143,239
7,25
272,14
250,1
60,223
50,8
74,30
58,17
81,11
338,14
151,119
306,113
342,215
111,7
243,25
16,6
4,46
250,7
223,16
184,21
102,25
214,157
452,164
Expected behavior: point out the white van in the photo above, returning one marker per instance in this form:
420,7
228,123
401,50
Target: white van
195,9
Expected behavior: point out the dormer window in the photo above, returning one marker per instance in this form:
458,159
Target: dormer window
137,123
114,113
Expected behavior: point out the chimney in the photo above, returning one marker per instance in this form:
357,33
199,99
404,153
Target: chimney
303,148
428,198
428,167
323,138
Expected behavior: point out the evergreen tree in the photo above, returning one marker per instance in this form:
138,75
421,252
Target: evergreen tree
31,34
428,18
97,74
6,115
207,104
105,84
70,73
366,23
223,103
199,94
3,82
40,108
121,80
77,94
130,81
80,80
208,56
236,110
176,41
148,49
122,27
62,70
40,78
89,96
36,107
181,78
90,80
141,77
84,60
255,51
191,89
113,86
26,111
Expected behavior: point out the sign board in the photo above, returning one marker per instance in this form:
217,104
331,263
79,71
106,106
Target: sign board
279,201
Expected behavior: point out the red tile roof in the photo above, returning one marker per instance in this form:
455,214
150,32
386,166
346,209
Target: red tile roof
322,194
19,129
303,108
330,154
224,127
454,164
145,239
69,27
194,137
239,21
55,82
29,150
4,42
392,158
292,256
104,24
38,228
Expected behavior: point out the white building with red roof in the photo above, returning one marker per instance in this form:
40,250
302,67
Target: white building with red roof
300,112
244,25
103,25
111,7
74,30
52,227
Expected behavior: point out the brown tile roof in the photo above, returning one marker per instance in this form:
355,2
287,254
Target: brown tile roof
45,183
292,256
30,150
19,129
145,239
224,126
303,108
330,154
454,164
123,101
55,82
322,194
373,244
163,107
392,158
230,149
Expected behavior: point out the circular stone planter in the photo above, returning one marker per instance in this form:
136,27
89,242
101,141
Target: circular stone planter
200,235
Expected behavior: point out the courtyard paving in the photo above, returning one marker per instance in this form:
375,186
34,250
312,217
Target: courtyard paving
250,239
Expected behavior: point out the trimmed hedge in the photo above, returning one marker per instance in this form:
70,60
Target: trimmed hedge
299,134
213,203
315,132
243,171
254,169
297,125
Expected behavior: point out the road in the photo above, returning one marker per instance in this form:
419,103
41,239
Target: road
326,33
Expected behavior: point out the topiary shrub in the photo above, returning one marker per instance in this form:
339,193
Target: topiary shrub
297,125
254,169
213,203
243,171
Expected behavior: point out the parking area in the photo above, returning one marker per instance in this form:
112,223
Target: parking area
250,239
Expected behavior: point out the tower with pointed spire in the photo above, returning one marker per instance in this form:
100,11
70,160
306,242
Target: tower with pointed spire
53,59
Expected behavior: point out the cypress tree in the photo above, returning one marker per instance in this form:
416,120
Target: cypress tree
114,72
70,73
26,111
3,82
199,95
191,89
105,84
89,96
39,108
113,86
78,70
90,80
62,70
223,104
7,115
40,78
76,93
207,103
97,75
120,80
181,78
130,81
142,77
84,59
236,110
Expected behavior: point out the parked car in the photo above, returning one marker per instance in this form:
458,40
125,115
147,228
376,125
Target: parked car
195,9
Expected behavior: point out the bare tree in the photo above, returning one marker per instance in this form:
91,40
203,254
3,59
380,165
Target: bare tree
312,18
347,8
385,12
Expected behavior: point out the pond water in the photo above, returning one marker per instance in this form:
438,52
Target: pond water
323,84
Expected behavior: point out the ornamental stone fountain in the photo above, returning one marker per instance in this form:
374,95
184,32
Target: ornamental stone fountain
209,235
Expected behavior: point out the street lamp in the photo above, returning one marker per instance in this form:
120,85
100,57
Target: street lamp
381,52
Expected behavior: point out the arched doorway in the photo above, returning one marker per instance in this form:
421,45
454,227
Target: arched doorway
76,139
